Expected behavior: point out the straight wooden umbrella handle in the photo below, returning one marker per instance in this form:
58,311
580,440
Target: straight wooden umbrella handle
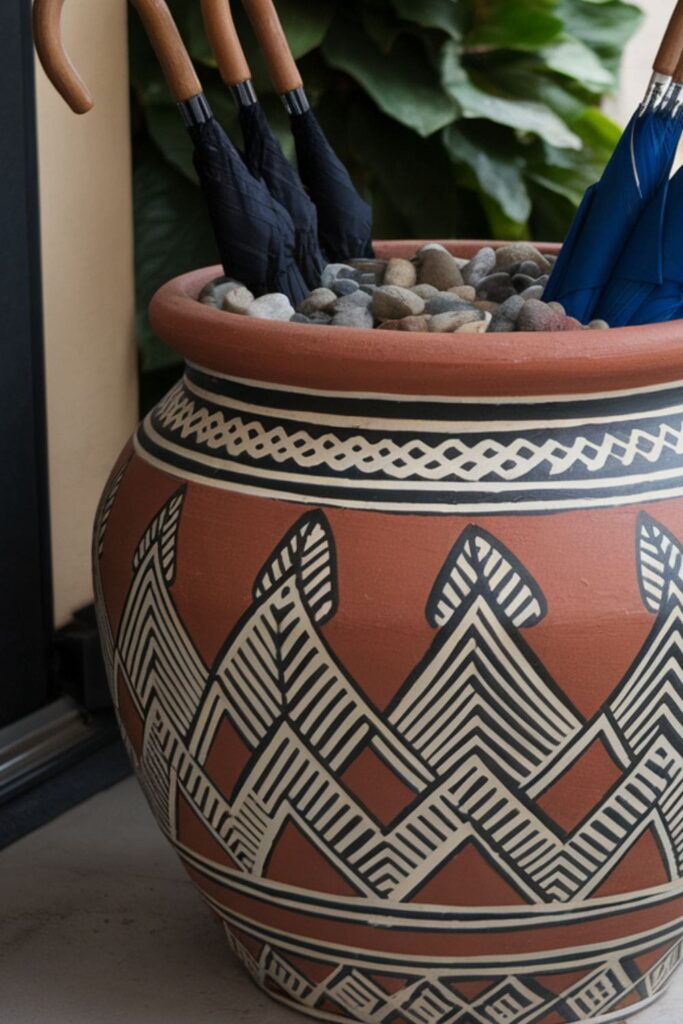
225,43
268,27
671,50
164,36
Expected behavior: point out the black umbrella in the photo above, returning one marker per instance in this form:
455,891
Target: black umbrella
255,234
262,150
345,220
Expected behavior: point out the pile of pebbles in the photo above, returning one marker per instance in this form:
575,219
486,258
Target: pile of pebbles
497,291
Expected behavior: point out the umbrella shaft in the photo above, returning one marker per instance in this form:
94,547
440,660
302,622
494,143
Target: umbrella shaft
296,102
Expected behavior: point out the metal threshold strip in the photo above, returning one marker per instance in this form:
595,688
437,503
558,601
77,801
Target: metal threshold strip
43,742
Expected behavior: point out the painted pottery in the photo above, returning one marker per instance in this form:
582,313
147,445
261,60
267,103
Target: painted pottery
394,626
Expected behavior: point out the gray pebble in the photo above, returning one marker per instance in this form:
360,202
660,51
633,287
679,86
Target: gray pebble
543,279
480,266
354,300
299,318
367,279
501,324
534,292
598,325
353,317
497,287
344,286
445,302
275,306
369,289
529,268
511,308
537,316
348,274
320,299
320,318
523,281
214,293
332,271
392,303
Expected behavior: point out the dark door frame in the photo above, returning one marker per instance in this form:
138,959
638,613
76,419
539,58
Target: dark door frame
26,623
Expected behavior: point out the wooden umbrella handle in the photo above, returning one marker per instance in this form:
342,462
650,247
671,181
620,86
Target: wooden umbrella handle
671,50
225,43
271,35
159,25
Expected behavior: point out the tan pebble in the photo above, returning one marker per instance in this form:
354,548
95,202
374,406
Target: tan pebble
447,323
402,273
558,307
486,306
415,323
393,303
439,268
598,325
425,291
390,325
520,252
477,327
318,301
465,292
238,301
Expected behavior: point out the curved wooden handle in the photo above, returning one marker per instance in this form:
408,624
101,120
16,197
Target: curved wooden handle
271,35
159,25
671,50
225,43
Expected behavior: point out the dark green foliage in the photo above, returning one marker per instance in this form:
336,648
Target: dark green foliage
474,118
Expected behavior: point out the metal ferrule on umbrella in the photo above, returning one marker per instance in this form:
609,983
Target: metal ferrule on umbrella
262,150
663,73
254,233
345,218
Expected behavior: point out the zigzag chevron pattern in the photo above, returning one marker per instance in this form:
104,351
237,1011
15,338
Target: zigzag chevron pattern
479,561
354,994
476,729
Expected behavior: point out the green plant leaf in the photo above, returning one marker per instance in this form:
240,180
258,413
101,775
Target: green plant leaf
523,25
524,116
574,59
445,15
403,84
498,169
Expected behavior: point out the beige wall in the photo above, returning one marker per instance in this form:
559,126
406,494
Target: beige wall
639,57
86,211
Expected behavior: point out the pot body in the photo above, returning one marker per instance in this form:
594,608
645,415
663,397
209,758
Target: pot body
401,676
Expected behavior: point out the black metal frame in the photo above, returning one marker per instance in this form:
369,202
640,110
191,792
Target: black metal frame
26,624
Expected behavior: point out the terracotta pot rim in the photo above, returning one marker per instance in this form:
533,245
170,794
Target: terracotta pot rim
394,362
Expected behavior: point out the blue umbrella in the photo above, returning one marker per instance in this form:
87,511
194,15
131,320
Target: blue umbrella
647,286
612,207
610,210
345,219
255,235
262,151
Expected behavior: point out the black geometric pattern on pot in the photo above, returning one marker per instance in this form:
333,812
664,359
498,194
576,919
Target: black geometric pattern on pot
458,462
457,734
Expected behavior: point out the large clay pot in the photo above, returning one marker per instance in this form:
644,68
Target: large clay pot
395,632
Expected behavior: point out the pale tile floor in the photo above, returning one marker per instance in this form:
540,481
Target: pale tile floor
99,925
